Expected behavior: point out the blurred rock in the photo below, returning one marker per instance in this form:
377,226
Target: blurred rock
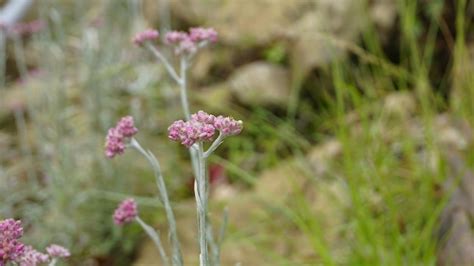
321,156
456,232
260,83
310,25
401,104
383,14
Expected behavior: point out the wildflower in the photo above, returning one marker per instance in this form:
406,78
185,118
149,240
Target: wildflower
202,127
57,251
125,212
186,46
32,257
144,36
200,34
118,135
175,37
228,125
126,127
203,117
28,28
190,132
114,144
10,247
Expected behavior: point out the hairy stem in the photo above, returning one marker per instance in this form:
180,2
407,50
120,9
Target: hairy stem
165,62
177,257
202,207
214,145
154,235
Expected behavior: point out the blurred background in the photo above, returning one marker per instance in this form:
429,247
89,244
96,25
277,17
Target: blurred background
357,146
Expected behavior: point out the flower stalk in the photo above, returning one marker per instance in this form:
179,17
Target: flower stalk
193,132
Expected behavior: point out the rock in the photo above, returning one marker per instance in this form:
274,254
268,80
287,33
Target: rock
401,104
260,83
383,14
216,98
456,232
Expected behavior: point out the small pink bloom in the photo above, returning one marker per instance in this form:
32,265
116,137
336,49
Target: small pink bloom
186,46
57,251
228,125
195,130
114,144
144,36
203,117
11,249
118,136
32,257
126,127
28,27
201,34
125,212
174,37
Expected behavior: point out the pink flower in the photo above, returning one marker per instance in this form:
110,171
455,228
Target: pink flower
175,37
10,229
32,257
228,125
11,249
118,135
202,127
190,132
186,46
144,36
125,212
201,34
126,127
27,28
114,143
57,251
203,117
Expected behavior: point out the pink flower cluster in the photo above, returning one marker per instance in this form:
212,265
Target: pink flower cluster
116,136
144,36
11,249
189,42
202,127
125,212
32,257
26,28
57,251
183,42
201,34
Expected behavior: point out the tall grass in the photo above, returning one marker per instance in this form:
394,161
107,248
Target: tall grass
390,175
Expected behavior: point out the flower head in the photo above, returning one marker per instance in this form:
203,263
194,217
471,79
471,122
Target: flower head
190,132
57,251
114,143
126,127
186,46
203,117
228,125
189,43
32,257
10,247
118,135
175,37
144,36
202,127
28,27
201,34
125,212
